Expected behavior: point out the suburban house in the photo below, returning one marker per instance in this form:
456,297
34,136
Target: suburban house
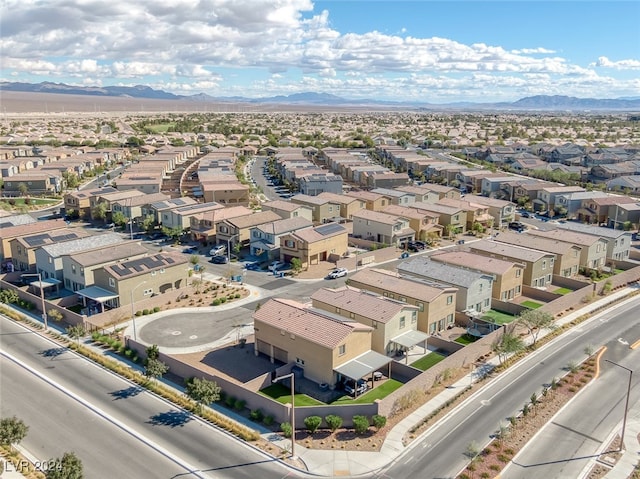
323,210
567,262
394,323
593,254
78,269
424,223
181,217
101,203
320,344
313,245
382,228
33,182
476,213
436,303
626,214
119,284
348,204
204,225
538,265
441,190
373,201
626,183
396,196
10,232
618,244
452,219
23,248
503,212
239,228
49,256
265,238
316,183
287,209
159,208
547,197
474,288
580,205
507,275
78,203
420,194
139,207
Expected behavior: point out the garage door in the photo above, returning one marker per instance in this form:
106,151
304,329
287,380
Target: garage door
264,348
280,354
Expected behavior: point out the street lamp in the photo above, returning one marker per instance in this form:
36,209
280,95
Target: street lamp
133,315
44,310
293,410
626,405
229,245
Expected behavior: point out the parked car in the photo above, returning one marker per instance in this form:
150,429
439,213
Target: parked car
276,265
219,259
251,265
190,250
219,249
338,273
416,246
351,388
517,226
525,214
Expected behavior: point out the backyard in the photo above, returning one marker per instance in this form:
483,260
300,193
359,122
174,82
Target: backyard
498,317
428,361
466,339
282,394
531,304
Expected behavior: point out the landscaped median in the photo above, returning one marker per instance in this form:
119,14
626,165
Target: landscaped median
512,436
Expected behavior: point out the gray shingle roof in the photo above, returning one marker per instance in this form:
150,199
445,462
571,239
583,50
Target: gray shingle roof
82,244
441,272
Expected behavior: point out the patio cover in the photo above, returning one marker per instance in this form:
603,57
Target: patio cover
97,294
364,364
410,338
45,283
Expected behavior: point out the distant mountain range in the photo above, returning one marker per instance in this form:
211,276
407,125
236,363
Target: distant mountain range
539,102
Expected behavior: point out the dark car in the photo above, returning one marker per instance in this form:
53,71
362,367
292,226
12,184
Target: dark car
190,250
219,259
525,214
517,226
416,246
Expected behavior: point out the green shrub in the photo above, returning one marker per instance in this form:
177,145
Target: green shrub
268,420
360,424
223,300
116,345
378,421
156,309
333,422
286,429
145,312
237,295
138,313
230,401
312,423
239,404
128,353
216,302
256,415
95,336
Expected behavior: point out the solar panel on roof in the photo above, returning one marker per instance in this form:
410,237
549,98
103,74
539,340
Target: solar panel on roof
36,240
329,229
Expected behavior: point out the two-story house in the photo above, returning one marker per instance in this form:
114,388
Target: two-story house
265,238
618,241
593,254
238,229
313,245
382,228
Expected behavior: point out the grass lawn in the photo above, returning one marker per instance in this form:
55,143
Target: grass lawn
378,392
427,361
563,291
466,339
282,394
32,201
531,304
161,127
498,317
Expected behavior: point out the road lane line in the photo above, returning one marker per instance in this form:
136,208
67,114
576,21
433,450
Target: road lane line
635,345
194,471
602,351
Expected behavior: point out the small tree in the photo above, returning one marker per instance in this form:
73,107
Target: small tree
148,223
99,211
286,429
67,467
312,423
76,332
535,321
119,218
378,421
202,391
55,315
296,265
506,345
12,431
360,424
153,352
333,422
23,189
534,402
155,368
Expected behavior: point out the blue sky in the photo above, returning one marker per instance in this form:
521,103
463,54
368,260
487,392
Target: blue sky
431,51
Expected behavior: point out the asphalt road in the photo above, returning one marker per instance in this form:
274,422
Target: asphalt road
439,453
58,424
572,440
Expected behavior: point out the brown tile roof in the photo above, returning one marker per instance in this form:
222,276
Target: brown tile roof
221,214
510,251
358,301
535,242
342,199
282,205
116,252
377,216
409,212
392,281
296,318
31,228
364,195
580,239
255,219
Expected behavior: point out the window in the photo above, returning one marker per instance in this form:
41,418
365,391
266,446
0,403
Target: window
162,271
449,299
402,322
544,264
112,282
153,273
450,318
518,289
81,271
352,315
402,298
73,268
432,328
300,362
374,324
338,310
342,349
481,287
420,306
414,317
486,302
548,278
289,243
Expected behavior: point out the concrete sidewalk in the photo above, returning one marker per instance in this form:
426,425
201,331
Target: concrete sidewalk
631,456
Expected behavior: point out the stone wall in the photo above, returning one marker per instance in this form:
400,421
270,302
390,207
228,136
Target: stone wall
570,283
539,294
507,307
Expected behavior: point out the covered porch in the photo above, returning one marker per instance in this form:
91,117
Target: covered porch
407,341
367,364
94,299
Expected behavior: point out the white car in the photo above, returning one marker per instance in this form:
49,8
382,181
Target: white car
276,265
220,249
338,273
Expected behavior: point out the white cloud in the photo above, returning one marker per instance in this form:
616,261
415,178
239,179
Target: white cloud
618,65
